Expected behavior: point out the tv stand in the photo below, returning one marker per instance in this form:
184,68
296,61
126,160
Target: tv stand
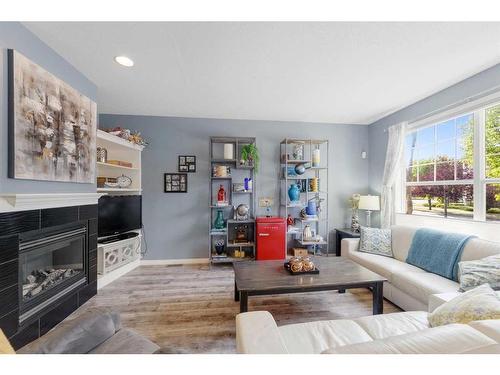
118,237
117,255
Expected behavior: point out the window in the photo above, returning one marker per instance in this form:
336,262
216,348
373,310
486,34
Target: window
450,172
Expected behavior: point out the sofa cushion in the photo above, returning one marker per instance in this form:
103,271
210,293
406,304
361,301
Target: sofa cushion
477,248
314,337
480,303
375,241
421,285
490,328
477,272
489,349
78,335
384,266
382,326
450,339
401,240
126,341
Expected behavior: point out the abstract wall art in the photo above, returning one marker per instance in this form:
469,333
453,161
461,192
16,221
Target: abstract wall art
52,127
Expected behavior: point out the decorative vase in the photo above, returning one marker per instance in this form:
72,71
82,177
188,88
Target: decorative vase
314,185
311,207
355,221
294,193
102,155
219,247
298,151
316,157
219,220
307,233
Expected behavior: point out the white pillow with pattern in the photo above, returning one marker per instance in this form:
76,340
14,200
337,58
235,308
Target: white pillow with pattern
376,241
481,271
480,303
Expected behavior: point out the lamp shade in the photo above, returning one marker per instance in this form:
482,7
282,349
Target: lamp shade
369,202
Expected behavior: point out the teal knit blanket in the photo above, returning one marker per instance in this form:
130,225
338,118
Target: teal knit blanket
437,252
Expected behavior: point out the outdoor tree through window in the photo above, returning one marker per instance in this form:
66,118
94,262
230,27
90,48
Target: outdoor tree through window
440,171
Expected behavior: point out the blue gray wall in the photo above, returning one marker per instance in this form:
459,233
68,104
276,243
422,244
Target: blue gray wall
177,224
13,35
481,82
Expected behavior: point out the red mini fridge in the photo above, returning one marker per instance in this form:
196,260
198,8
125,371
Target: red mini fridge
271,238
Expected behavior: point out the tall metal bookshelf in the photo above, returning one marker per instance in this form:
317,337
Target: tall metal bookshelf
319,223
231,224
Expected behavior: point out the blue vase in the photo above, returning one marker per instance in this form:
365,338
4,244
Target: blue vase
311,207
294,193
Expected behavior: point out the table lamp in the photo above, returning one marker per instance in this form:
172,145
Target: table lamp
369,203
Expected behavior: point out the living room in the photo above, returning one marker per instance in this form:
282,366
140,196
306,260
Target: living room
249,187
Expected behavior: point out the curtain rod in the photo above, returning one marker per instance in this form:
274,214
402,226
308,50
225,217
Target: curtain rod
451,106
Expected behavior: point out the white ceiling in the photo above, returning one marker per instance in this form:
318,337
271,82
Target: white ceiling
318,72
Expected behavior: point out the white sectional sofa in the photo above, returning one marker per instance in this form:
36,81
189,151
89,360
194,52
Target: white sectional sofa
397,333
410,287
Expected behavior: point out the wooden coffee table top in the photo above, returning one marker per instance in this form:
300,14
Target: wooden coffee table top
271,275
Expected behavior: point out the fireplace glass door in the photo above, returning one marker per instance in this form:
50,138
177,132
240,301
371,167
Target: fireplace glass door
45,264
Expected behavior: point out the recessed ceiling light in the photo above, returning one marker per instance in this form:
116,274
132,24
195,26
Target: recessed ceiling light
124,60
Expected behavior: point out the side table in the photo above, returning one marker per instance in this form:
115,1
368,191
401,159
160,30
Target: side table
342,233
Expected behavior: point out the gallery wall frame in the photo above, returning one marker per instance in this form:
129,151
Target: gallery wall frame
187,163
52,127
175,183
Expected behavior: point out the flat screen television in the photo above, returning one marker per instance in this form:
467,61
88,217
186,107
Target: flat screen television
119,214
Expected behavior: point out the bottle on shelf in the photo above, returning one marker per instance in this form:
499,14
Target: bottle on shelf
316,157
221,196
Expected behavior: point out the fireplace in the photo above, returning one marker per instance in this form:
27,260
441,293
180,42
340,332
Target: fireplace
51,265
48,267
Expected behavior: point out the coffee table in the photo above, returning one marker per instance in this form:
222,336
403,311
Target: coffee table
257,278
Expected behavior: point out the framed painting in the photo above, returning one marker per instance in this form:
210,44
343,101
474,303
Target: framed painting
175,182
52,126
187,163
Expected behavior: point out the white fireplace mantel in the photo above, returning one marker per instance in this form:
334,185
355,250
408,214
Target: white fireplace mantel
24,202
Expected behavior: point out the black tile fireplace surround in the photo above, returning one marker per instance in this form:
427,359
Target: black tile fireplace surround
70,235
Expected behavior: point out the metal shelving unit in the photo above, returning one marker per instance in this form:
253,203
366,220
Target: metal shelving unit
238,173
319,223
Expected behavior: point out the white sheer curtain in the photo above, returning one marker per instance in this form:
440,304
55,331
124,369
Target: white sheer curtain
393,160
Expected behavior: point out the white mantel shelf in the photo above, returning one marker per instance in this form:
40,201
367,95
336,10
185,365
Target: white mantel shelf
23,202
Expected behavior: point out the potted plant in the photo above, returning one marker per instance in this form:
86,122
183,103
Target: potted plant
250,155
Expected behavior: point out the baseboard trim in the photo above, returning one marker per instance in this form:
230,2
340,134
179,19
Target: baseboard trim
171,262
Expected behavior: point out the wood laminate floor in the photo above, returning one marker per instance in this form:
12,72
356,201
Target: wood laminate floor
191,309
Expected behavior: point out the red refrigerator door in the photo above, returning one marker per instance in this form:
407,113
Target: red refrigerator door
271,234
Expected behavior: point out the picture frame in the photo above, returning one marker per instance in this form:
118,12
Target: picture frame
175,183
63,148
187,164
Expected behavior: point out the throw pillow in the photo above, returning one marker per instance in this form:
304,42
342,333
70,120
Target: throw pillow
478,272
480,303
375,241
5,347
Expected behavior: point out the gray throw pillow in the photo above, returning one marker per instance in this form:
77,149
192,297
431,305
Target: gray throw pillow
482,271
376,241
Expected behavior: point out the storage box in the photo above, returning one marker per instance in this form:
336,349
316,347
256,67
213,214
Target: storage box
299,252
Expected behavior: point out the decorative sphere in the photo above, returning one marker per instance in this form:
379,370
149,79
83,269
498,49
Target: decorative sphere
242,210
300,169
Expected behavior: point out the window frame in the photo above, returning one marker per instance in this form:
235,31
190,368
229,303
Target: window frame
479,181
